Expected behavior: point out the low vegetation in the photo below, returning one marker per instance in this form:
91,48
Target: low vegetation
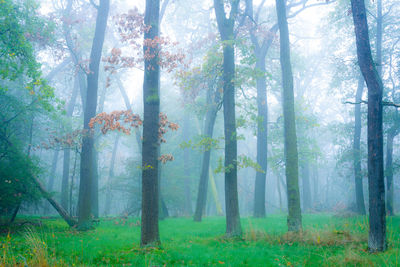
327,240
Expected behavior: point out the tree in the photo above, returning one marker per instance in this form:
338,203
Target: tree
358,179
376,184
151,99
226,30
294,220
87,156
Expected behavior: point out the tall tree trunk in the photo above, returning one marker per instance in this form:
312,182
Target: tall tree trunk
294,220
211,116
260,50
87,156
67,151
358,179
150,148
262,135
226,26
186,164
389,173
110,177
376,184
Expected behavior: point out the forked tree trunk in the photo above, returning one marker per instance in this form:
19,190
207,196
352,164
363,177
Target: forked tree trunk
376,184
294,220
151,99
211,116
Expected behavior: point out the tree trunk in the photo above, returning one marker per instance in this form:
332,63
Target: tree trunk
110,177
67,151
260,50
211,116
186,164
87,156
225,26
389,173
53,169
294,220
150,148
306,186
358,179
376,184
262,136
64,214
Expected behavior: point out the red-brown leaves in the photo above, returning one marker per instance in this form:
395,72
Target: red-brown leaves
112,121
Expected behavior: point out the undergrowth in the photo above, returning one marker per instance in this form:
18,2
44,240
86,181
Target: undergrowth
325,241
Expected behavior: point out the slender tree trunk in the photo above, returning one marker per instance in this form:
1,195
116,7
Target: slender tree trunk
262,136
53,169
64,214
211,116
67,151
225,26
87,156
389,173
294,220
150,148
358,179
111,177
306,186
186,164
376,184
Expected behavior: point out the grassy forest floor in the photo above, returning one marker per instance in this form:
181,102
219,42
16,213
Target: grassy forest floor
327,240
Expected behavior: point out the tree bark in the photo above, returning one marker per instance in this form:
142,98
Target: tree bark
358,179
376,185
150,148
294,219
226,30
87,156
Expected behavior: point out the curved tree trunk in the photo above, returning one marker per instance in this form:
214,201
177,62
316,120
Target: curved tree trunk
376,184
294,220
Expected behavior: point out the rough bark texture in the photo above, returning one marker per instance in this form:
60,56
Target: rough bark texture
358,179
376,185
225,26
87,170
211,116
294,220
151,99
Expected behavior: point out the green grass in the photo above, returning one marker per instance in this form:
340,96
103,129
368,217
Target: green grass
327,241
